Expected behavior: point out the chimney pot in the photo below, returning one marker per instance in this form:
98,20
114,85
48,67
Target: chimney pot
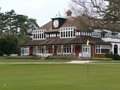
69,13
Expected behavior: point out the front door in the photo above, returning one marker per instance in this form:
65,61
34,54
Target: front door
55,50
77,50
86,51
31,51
115,49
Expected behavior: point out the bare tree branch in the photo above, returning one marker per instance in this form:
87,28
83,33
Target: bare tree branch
97,13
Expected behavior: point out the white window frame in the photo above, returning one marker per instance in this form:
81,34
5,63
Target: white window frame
67,49
41,50
24,50
67,32
96,34
98,48
86,50
39,34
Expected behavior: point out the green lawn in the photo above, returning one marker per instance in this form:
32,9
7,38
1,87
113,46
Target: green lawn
60,77
3,59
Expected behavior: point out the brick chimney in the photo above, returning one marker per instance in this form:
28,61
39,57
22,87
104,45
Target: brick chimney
69,13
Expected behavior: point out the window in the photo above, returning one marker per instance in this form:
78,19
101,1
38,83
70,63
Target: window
100,49
67,49
41,49
67,32
53,35
96,34
38,34
25,51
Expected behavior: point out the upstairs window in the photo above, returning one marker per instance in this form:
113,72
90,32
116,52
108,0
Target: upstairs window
38,34
96,34
67,32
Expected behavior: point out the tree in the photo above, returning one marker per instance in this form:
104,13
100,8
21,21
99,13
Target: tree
86,14
16,24
112,13
15,27
103,13
8,45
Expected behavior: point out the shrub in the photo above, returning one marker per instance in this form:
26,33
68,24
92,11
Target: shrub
23,57
109,55
62,57
113,56
116,57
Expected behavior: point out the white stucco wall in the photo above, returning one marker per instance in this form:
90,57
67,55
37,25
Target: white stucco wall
113,42
118,44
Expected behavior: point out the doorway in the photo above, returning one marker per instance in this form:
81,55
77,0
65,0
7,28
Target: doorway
31,51
86,51
115,49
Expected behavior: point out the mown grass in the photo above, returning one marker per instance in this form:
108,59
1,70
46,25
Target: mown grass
4,59
60,77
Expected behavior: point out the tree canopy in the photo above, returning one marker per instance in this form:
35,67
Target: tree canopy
14,29
15,24
112,13
104,12
9,45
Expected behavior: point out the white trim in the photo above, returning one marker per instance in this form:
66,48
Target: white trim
100,48
39,34
68,32
113,47
86,51
24,51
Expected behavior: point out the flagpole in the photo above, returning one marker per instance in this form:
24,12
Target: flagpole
87,64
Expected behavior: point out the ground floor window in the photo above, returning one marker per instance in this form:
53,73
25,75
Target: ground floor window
67,49
24,50
41,49
98,49
59,49
101,49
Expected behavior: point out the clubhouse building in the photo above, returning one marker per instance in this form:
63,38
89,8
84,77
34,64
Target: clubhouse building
61,36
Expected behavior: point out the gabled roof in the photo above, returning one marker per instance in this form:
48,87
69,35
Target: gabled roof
69,22
47,26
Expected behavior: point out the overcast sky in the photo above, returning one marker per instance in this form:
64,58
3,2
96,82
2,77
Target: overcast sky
41,10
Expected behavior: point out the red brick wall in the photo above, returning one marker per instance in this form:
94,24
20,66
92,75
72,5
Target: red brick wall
93,54
77,50
100,55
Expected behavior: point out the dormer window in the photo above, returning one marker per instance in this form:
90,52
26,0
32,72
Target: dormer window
38,34
68,32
